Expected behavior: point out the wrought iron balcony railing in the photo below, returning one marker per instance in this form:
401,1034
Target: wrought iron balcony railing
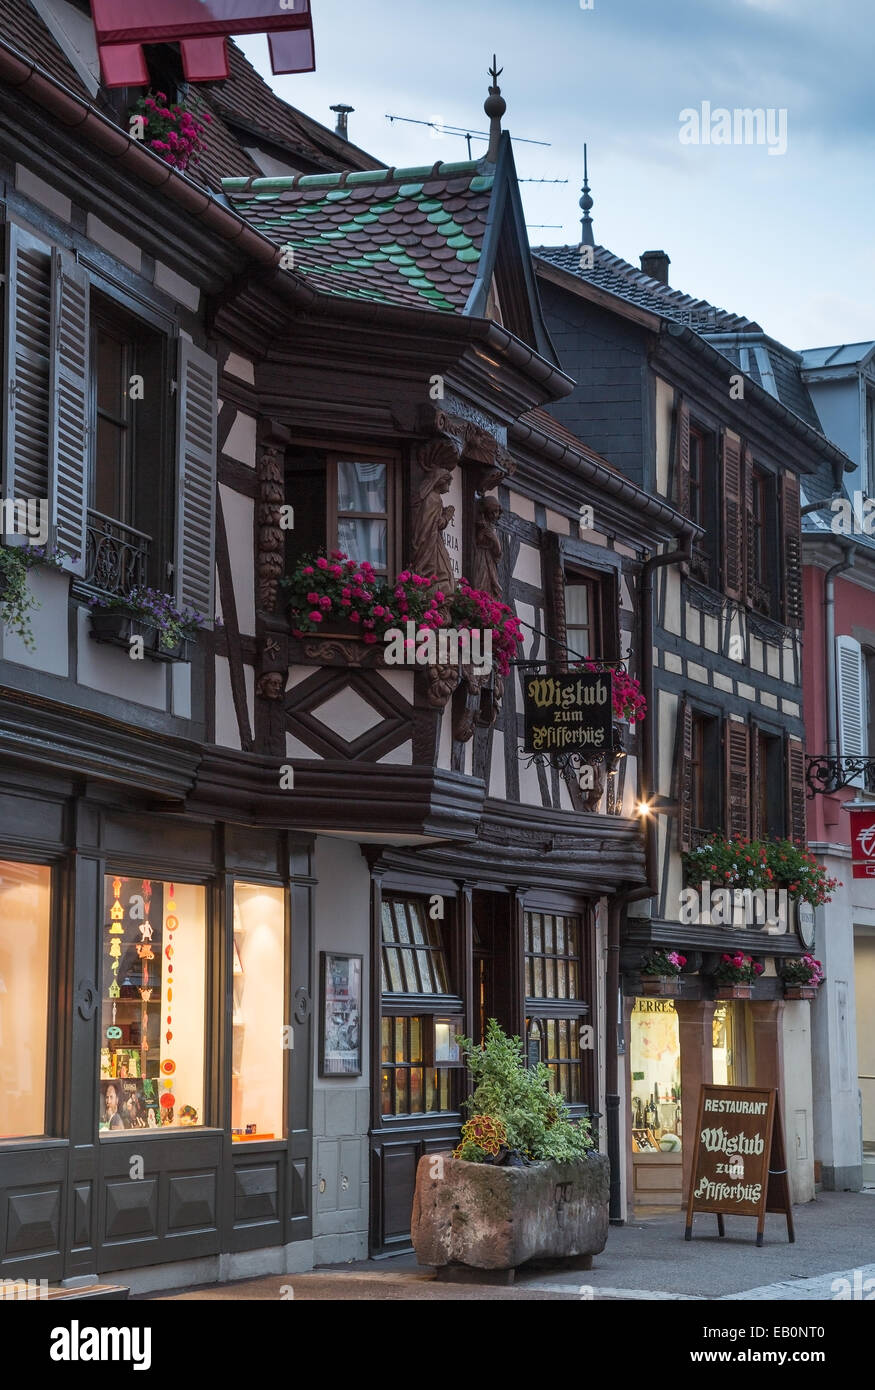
116,556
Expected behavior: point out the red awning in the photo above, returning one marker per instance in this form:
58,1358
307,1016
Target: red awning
200,27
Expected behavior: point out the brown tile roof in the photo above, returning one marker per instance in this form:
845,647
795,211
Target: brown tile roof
612,273
398,236
242,106
541,420
246,102
22,28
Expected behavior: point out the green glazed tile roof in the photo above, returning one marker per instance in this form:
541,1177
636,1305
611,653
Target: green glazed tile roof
397,236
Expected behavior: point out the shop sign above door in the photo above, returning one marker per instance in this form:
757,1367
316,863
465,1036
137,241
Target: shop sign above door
200,27
568,713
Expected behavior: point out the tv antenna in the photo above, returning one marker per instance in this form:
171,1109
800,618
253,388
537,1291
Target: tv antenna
464,132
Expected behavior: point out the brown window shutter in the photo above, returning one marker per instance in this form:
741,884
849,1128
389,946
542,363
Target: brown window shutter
737,755
791,550
554,586
682,460
756,772
733,524
795,765
748,541
685,775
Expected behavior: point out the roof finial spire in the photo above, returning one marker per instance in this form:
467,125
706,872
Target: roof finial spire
586,237
495,107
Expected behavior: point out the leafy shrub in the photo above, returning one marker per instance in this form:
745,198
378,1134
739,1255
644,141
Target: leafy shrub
536,1121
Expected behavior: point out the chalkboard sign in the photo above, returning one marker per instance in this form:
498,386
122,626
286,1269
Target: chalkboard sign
739,1163
568,713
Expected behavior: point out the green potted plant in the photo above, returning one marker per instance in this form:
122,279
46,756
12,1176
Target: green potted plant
16,601
735,975
525,1182
167,632
802,977
660,971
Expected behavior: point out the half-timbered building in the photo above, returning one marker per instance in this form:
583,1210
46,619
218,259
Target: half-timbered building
697,406
254,886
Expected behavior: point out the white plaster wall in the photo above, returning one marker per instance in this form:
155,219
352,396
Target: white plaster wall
111,669
227,728
798,1099
240,443
664,413
528,565
672,581
239,514
497,774
522,507
48,623
864,959
833,1023
341,1105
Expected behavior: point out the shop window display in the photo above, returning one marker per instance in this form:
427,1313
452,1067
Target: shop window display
25,905
152,1005
655,1060
417,1052
259,1017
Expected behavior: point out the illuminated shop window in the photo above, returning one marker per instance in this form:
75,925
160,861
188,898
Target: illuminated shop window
418,1049
259,1017
25,904
655,1061
152,1005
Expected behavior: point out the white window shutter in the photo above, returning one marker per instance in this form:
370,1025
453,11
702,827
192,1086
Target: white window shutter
196,479
69,408
853,739
28,365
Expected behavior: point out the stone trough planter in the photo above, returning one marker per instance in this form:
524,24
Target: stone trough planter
476,1217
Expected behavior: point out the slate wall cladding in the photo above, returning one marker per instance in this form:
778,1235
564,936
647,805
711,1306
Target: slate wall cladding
606,357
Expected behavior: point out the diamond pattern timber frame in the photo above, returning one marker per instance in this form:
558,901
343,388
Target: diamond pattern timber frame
303,701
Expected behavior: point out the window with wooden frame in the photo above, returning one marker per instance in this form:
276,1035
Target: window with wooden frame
583,614
761,561
417,999
346,501
695,452
130,500
768,799
698,780
705,785
91,426
558,984
589,607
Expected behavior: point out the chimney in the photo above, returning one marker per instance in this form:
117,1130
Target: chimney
655,264
343,113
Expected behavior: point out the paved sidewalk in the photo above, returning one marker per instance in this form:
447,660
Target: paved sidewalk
650,1260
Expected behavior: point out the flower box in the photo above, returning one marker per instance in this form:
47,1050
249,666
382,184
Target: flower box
733,991
665,986
117,626
478,1216
800,991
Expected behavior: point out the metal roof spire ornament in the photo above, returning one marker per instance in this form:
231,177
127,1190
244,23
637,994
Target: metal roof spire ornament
495,107
586,237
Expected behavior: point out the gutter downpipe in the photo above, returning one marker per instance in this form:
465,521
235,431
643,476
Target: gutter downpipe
617,905
829,628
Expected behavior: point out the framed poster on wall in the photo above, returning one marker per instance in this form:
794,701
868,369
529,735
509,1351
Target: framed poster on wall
340,1023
